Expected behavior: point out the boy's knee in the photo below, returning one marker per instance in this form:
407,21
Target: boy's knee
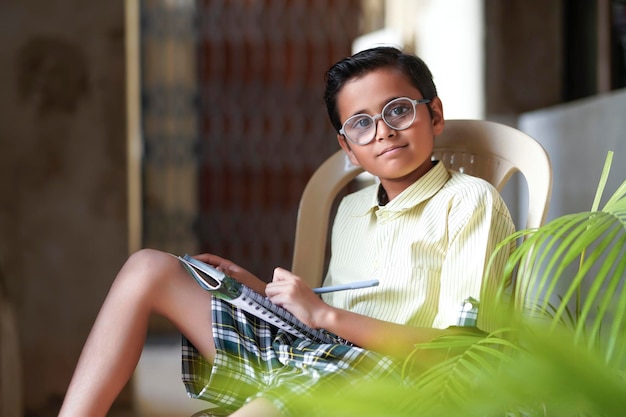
145,259
149,266
147,256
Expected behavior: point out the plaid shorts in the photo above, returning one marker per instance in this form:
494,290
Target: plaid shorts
255,359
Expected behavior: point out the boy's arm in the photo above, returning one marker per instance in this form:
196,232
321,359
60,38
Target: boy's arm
293,293
463,270
373,334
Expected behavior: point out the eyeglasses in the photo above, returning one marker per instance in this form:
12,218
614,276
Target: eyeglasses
398,114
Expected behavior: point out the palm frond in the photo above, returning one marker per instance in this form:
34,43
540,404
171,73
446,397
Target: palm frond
603,179
469,357
572,270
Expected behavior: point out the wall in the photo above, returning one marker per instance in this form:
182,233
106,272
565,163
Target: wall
62,177
577,136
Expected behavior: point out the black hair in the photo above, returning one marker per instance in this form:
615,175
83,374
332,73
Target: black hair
363,62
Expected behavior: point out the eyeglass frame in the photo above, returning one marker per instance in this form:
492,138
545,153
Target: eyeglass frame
380,116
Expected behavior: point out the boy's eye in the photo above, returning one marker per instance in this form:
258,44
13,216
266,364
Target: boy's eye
398,110
361,122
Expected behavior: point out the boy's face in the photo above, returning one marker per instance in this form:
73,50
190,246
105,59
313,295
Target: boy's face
395,156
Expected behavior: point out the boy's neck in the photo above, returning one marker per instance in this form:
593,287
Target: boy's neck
390,189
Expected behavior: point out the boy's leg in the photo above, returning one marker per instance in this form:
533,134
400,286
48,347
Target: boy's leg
149,282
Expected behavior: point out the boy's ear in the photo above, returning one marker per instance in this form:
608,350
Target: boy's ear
343,142
437,115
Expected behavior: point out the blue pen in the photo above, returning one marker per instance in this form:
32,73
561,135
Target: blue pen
349,286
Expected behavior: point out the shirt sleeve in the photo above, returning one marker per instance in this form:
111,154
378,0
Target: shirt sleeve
475,233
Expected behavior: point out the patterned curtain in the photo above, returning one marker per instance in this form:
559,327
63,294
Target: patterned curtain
234,122
264,127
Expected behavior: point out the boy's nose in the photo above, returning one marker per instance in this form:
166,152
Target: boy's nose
383,131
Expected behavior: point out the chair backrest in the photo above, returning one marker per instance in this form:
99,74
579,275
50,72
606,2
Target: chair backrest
484,149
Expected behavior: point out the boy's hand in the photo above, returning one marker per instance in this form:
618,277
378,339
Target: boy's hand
234,271
293,293
223,264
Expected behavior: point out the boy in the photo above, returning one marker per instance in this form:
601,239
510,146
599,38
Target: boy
425,233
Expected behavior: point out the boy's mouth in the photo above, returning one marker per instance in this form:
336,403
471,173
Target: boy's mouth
390,149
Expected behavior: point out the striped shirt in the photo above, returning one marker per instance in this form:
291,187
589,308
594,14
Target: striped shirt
429,248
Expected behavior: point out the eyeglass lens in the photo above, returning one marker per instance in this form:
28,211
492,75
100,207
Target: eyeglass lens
398,114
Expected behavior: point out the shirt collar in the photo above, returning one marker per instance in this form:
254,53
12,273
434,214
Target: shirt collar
422,189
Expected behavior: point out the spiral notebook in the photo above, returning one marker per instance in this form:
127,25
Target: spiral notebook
243,297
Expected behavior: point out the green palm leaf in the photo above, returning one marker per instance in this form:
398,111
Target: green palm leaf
590,243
